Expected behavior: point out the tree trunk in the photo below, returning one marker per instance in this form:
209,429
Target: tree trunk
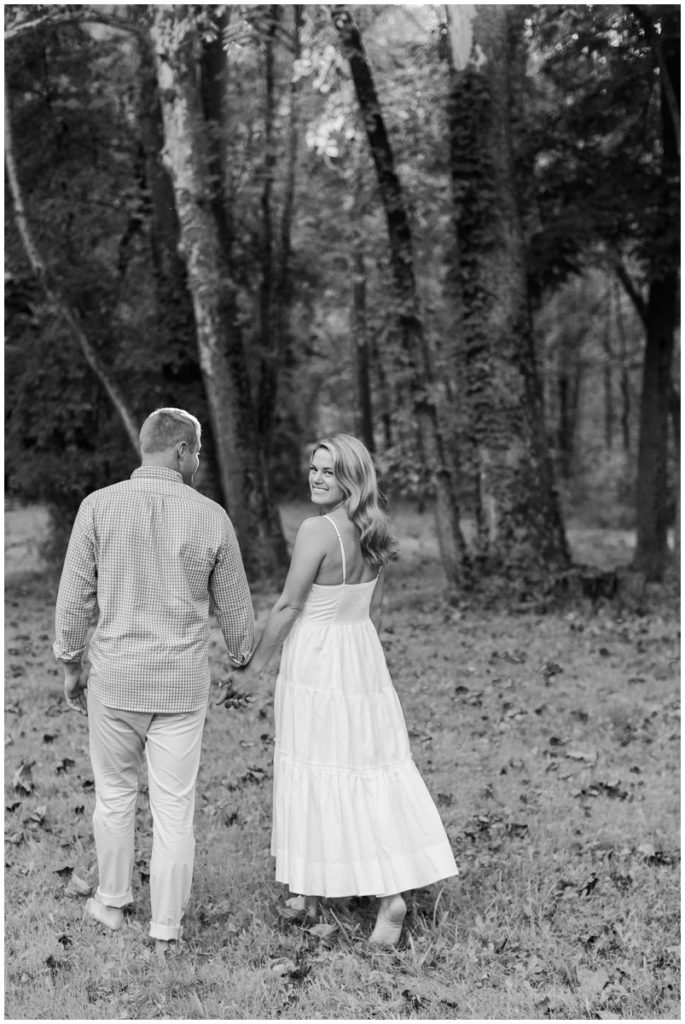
241,465
360,341
277,355
569,375
180,379
652,504
652,513
268,372
57,299
522,519
421,376
624,370
608,376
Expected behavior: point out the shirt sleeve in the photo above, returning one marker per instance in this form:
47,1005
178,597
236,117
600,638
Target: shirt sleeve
77,595
231,596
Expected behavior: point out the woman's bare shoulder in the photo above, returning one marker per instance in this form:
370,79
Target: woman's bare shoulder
313,528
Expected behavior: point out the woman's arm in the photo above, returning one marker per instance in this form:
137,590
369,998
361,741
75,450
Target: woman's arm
308,553
376,606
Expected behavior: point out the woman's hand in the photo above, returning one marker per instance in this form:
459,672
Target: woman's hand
241,687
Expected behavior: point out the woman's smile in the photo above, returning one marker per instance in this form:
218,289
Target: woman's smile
324,488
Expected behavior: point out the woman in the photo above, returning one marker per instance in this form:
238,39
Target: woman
351,813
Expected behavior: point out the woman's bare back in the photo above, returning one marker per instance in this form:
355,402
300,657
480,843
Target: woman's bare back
357,569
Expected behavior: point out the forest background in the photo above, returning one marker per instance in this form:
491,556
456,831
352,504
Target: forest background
453,231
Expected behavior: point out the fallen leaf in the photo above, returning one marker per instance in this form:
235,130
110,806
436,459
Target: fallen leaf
579,755
323,931
77,887
283,967
551,669
22,779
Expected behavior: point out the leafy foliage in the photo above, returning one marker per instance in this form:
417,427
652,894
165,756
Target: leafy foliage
594,141
590,180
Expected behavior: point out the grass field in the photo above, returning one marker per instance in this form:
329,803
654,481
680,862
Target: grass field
549,742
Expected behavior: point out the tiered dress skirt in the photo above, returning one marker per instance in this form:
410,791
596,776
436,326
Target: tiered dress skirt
351,813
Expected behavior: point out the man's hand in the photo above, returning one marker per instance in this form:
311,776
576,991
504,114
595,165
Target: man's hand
232,698
75,684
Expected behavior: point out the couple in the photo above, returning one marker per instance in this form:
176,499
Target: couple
351,814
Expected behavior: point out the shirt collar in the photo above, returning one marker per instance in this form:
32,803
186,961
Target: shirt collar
156,473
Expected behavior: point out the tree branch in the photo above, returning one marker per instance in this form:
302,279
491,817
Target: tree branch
21,28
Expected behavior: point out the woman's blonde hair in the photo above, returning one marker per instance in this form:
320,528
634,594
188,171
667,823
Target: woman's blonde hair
356,475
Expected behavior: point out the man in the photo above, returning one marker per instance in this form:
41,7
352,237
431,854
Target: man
149,552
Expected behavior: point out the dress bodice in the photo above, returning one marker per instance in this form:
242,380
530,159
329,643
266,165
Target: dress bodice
341,602
344,602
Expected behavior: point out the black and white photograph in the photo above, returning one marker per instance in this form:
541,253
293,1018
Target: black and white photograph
342,511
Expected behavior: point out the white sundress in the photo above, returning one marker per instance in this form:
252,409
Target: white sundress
351,814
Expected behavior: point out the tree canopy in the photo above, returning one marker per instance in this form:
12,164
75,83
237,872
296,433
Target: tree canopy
258,280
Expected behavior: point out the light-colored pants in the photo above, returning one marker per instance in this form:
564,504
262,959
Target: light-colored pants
172,745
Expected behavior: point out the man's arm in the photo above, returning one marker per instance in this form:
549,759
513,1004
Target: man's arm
76,600
231,596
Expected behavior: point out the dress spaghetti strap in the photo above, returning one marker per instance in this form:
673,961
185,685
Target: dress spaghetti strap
342,549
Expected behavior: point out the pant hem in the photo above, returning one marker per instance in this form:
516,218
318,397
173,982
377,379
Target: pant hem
114,901
165,932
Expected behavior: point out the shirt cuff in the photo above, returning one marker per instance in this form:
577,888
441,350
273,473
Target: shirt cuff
239,660
69,657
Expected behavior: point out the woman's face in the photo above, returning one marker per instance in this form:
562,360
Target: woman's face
324,489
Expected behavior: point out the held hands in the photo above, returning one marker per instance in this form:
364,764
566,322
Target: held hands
238,691
230,697
75,685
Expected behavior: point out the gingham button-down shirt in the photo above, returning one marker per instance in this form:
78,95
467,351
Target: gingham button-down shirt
149,552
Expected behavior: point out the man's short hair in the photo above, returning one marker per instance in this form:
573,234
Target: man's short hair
165,428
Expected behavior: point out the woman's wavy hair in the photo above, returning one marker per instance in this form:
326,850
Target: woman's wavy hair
356,475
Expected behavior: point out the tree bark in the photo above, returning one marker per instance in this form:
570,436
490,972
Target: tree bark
180,379
276,299
421,375
569,375
57,299
624,370
360,340
241,465
652,506
522,520
652,512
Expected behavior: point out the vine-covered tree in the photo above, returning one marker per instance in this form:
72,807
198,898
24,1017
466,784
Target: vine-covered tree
439,464
519,517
